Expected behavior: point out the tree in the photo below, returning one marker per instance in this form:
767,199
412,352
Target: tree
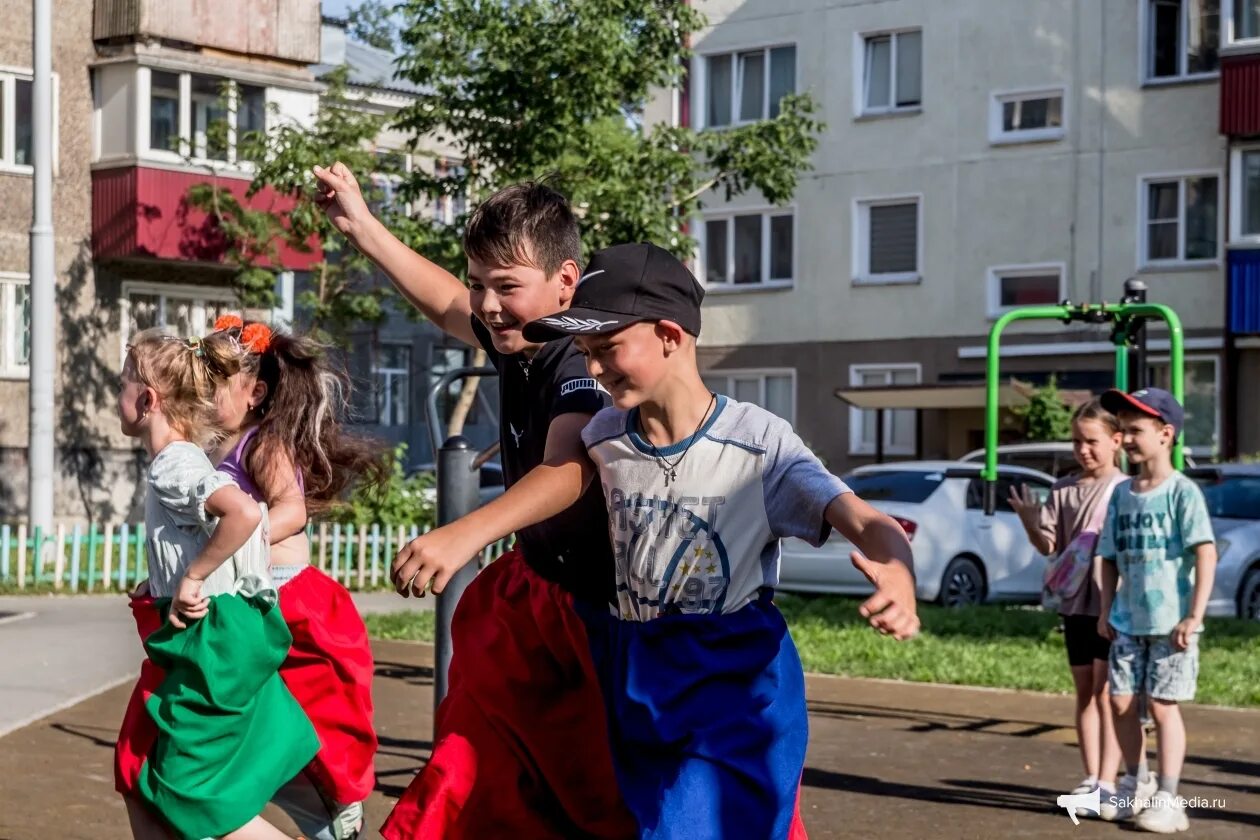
557,88
374,23
1046,417
343,290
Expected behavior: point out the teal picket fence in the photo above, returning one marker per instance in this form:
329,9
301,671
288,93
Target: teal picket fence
84,557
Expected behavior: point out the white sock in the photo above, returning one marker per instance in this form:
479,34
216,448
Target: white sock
1106,787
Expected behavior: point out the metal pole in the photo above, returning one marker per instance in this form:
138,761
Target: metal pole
457,496
43,279
1135,292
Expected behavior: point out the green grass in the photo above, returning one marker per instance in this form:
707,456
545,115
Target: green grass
999,646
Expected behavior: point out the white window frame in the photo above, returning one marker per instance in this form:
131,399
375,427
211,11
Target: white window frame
862,275
1147,33
9,283
700,90
1228,27
191,148
729,286
1218,407
760,374
1237,195
997,272
199,295
443,208
856,444
859,73
998,136
8,137
383,387
1144,220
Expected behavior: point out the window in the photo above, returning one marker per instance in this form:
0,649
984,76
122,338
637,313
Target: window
448,209
1005,485
1244,194
891,75
1025,285
909,486
1241,20
209,118
773,390
887,240
164,111
391,370
900,425
747,86
1203,401
1180,220
15,325
1183,38
185,311
749,248
1026,116
17,121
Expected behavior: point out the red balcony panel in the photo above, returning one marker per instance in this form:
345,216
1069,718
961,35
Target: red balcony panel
1240,96
142,212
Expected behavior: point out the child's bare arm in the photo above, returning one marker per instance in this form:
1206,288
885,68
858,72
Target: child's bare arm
286,504
239,516
545,491
885,560
1108,577
432,289
1204,578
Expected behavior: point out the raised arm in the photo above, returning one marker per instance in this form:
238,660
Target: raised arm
432,289
548,489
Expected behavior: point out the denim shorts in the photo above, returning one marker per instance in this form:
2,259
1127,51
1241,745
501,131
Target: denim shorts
1151,665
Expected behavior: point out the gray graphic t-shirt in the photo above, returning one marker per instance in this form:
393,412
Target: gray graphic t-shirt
1151,538
706,540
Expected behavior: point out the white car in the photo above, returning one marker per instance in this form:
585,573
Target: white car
1055,458
1232,492
961,556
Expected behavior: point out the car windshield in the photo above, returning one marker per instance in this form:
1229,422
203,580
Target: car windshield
911,486
1232,497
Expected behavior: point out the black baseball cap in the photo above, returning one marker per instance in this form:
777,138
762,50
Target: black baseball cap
623,285
1153,402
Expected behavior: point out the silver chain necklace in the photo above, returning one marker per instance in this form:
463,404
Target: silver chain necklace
669,469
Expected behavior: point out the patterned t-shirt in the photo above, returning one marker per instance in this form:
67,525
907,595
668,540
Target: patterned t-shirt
706,539
1151,538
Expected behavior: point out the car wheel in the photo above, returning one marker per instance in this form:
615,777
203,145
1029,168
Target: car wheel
1249,596
963,584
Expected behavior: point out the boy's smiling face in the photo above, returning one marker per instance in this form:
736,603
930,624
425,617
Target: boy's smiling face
506,298
631,363
1146,438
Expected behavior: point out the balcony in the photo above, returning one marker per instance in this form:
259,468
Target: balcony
1240,95
279,29
143,213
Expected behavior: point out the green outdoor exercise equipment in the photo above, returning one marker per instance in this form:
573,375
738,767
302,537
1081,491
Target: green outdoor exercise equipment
1128,319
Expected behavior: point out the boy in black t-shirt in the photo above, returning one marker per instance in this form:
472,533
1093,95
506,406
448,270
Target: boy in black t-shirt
522,668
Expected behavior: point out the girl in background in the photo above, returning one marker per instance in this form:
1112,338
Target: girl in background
1066,530
285,446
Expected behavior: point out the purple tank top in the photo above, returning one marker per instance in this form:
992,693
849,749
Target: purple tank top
233,466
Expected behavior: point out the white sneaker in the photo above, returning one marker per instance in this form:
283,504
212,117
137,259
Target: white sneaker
1087,786
1165,816
1129,799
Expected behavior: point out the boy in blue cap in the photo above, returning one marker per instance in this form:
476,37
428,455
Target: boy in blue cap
1159,560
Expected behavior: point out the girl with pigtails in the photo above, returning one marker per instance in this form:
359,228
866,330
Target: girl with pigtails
211,731
285,446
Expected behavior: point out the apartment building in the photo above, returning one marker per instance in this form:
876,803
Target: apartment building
981,155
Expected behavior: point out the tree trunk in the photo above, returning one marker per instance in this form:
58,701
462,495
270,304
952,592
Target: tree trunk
467,395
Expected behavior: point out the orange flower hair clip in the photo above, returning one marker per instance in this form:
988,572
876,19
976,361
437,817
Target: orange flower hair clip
256,338
228,322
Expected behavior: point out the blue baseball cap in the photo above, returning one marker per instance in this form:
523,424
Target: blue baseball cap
1153,402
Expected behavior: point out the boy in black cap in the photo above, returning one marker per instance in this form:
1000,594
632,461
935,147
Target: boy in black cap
704,688
1158,542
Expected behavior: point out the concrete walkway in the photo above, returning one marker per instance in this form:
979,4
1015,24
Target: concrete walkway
886,760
